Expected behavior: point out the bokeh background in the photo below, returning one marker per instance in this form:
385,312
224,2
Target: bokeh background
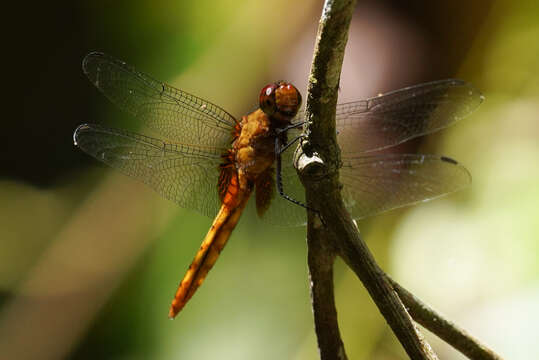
89,259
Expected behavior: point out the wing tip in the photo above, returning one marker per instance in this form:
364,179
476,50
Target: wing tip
89,59
93,62
76,134
472,90
465,171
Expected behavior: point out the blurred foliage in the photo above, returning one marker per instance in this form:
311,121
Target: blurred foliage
90,259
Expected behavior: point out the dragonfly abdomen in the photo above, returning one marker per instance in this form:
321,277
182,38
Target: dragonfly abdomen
213,244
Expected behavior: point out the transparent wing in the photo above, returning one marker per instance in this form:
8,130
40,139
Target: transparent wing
174,114
401,115
283,212
377,183
398,116
187,175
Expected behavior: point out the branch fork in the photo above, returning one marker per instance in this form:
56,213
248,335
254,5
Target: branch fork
338,235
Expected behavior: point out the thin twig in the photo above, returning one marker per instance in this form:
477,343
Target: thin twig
440,326
318,167
443,328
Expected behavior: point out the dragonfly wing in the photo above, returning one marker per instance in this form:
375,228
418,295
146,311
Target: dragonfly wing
398,116
174,114
282,212
377,183
186,175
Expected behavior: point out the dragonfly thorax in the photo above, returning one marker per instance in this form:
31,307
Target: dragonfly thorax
254,147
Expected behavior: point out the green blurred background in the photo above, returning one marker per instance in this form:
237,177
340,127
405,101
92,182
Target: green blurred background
89,259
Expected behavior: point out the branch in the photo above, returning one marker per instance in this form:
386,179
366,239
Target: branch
320,261
317,168
443,328
317,162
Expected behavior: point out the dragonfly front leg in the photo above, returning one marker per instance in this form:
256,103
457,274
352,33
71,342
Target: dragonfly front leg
291,126
280,149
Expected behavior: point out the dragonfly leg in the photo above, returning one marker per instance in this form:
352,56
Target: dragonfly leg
279,180
283,148
280,149
291,126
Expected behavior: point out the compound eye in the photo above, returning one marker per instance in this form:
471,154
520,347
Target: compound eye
267,99
287,99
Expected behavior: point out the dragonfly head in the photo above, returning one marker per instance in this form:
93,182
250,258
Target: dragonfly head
280,101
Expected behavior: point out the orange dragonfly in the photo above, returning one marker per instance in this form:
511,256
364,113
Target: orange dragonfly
195,153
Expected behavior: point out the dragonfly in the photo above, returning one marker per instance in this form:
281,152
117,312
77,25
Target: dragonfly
198,155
